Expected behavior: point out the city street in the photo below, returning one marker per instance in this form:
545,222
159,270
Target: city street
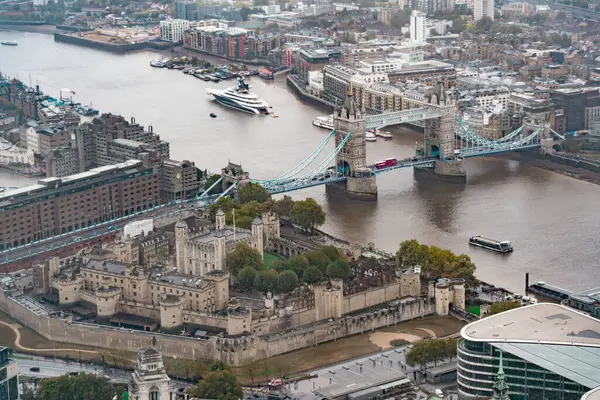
85,234
50,368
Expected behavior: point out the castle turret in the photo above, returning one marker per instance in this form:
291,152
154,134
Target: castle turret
220,220
171,311
257,235
181,230
107,301
220,246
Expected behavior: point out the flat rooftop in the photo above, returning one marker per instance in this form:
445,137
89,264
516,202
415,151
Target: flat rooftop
539,323
366,373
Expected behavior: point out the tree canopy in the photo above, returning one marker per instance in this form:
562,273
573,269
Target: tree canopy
243,256
219,385
339,269
287,281
265,281
283,207
312,275
497,308
246,278
307,214
429,351
435,262
83,386
253,191
218,366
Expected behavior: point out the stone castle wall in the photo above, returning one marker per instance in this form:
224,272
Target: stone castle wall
235,351
370,298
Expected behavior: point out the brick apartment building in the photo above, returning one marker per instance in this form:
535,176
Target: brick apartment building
59,205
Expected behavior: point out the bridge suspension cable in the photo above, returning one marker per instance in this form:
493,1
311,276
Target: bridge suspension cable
226,191
323,165
304,163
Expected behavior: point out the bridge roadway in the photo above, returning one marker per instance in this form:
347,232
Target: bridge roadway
97,231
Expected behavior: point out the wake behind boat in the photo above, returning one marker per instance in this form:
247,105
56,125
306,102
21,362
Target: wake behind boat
240,98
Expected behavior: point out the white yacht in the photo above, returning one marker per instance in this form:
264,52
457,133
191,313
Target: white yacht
240,98
370,137
325,122
383,134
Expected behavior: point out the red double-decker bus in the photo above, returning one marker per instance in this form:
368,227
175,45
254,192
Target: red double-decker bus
389,162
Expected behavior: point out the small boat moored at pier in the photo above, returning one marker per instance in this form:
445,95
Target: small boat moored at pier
491,244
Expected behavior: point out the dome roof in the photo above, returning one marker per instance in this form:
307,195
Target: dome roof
220,212
256,221
181,224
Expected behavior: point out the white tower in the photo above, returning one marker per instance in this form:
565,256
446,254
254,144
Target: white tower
181,231
149,381
483,8
418,30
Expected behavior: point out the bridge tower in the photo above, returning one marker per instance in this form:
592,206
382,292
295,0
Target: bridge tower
352,158
439,139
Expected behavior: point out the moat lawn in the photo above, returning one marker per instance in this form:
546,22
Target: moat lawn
270,258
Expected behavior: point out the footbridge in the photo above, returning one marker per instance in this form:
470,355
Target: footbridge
401,117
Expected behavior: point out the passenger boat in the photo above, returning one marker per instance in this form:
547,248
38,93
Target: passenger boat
370,137
491,244
325,122
9,43
383,134
240,98
162,63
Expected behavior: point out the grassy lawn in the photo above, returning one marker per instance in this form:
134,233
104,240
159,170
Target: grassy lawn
270,258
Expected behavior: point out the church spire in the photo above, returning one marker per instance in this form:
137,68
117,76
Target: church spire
500,386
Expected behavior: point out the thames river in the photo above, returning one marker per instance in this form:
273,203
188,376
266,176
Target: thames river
550,218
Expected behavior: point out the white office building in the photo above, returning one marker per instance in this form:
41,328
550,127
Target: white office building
271,9
172,30
418,28
483,8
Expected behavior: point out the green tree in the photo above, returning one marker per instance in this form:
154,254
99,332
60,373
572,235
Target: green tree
243,256
287,281
253,191
218,366
339,269
265,281
312,275
497,308
307,214
332,252
246,278
411,253
84,386
484,24
429,351
298,264
283,207
224,203
219,385
252,209
280,265
318,259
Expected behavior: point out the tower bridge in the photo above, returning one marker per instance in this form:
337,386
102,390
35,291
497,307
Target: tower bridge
448,142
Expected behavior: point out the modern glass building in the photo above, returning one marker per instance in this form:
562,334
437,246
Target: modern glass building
9,379
550,352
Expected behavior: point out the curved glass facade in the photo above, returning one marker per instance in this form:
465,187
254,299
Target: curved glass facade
478,364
